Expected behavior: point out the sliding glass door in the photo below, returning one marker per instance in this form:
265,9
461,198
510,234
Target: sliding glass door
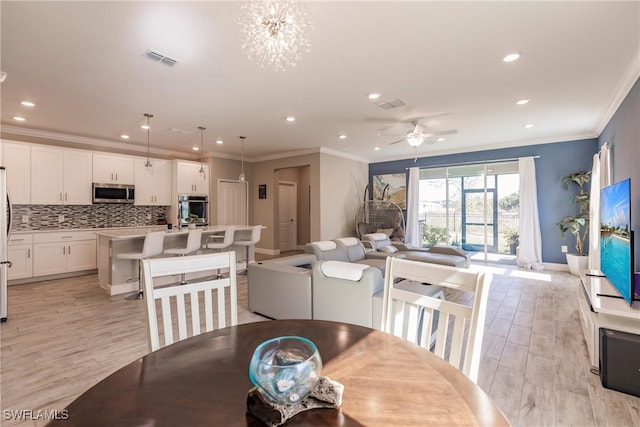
473,206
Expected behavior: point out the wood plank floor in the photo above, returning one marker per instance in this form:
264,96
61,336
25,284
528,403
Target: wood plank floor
63,336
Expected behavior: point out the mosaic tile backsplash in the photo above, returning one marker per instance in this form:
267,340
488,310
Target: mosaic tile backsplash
47,217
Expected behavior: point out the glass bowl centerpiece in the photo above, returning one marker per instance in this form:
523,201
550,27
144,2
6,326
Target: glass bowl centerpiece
285,369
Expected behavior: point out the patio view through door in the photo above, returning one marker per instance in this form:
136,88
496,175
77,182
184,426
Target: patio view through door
474,206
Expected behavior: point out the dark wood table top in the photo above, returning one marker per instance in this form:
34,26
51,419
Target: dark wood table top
203,381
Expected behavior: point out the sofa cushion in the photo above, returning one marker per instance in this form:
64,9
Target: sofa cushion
388,249
343,270
352,247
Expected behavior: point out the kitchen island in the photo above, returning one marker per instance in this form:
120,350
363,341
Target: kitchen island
119,276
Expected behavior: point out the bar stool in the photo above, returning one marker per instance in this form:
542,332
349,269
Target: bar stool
255,238
194,237
153,243
227,241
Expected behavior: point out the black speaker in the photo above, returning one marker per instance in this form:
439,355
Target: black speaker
620,361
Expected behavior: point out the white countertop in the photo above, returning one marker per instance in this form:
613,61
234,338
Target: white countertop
132,233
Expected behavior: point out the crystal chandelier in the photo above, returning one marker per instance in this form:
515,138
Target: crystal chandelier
275,32
241,178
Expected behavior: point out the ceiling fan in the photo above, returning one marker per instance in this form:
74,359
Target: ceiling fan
419,134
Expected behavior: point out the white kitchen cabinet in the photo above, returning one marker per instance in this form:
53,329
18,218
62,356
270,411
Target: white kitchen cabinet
113,169
60,176
64,252
153,184
189,179
20,253
16,158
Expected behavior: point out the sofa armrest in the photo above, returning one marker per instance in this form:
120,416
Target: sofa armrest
383,255
279,290
451,250
344,300
405,247
300,260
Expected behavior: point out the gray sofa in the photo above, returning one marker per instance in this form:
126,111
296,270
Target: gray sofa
439,254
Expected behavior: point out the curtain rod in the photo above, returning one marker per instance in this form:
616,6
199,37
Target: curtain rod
479,162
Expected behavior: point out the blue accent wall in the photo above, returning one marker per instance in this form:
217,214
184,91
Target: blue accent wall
623,133
556,160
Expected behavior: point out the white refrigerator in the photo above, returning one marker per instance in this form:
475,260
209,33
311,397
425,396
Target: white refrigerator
5,232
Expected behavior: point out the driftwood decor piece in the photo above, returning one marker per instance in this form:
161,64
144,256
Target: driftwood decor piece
326,394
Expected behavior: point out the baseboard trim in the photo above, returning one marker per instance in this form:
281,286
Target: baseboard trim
553,266
264,251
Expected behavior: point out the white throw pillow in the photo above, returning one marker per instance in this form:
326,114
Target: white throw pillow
388,249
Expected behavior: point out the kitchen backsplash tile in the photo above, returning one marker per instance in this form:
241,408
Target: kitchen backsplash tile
47,217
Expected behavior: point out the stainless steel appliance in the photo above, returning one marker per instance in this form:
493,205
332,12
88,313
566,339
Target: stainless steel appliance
193,210
5,234
113,193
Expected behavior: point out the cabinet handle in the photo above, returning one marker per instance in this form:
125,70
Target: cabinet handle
67,237
64,249
116,176
29,253
65,196
69,250
17,240
61,196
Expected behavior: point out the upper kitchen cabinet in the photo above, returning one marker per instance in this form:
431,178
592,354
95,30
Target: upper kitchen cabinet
16,158
113,169
153,183
60,176
189,179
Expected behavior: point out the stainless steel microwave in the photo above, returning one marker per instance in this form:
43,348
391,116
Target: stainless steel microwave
113,193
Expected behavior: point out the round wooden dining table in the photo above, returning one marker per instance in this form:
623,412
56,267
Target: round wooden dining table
204,380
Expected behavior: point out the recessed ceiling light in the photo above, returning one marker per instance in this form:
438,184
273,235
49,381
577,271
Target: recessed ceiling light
123,136
342,136
19,119
522,101
28,104
145,127
440,139
196,148
511,57
374,95
219,141
291,119
529,125
376,148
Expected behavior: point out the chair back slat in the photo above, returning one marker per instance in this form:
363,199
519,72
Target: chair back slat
191,300
456,335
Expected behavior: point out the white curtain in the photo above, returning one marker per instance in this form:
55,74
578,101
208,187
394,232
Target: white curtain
412,235
600,178
530,252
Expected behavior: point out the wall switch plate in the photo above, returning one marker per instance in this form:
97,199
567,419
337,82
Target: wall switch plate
25,219
60,218
564,249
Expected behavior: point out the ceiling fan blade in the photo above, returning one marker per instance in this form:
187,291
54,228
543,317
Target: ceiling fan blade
395,142
444,132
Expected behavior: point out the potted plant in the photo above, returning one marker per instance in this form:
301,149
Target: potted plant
512,239
578,224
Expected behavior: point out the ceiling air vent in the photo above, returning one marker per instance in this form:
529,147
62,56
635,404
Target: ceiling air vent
390,103
159,57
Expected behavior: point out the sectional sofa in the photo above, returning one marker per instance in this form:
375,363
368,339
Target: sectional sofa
336,280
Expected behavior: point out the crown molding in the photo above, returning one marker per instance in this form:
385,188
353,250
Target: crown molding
629,78
81,141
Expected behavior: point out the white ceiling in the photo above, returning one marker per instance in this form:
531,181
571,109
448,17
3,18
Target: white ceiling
82,64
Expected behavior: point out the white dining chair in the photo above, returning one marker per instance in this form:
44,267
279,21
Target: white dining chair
402,310
152,246
200,306
194,238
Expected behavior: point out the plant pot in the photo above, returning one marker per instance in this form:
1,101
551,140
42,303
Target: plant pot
577,263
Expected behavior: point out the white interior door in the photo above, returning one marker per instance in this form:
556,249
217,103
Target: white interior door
232,203
287,215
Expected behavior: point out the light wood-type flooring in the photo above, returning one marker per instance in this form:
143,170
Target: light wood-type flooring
63,336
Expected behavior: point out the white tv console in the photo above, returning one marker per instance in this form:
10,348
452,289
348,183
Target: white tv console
603,312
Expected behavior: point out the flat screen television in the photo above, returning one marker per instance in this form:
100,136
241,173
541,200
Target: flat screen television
616,238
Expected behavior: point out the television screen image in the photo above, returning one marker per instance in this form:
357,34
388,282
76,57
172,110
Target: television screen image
616,245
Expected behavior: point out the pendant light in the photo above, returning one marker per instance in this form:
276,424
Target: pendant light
241,178
202,128
148,163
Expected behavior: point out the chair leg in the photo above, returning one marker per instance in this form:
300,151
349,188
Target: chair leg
140,292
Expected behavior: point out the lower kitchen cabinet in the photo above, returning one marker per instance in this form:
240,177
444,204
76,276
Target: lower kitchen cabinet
20,253
63,252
